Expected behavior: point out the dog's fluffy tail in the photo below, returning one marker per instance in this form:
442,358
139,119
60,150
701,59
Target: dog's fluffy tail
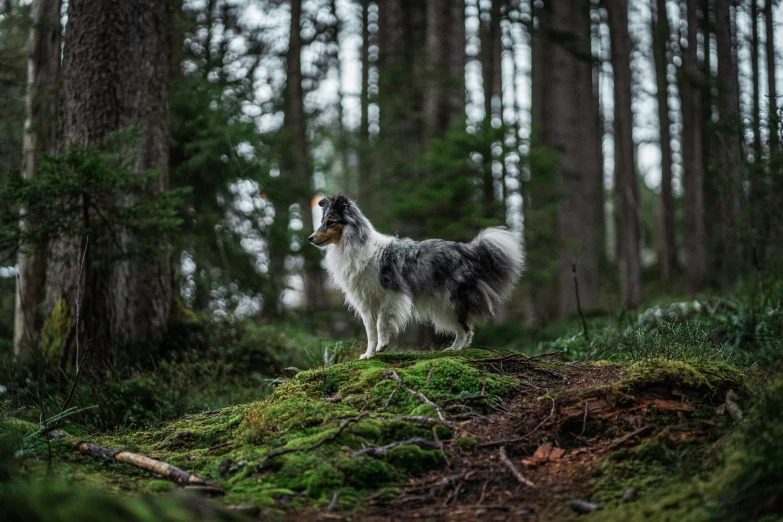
500,253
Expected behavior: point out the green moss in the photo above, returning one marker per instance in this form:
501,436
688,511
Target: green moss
413,459
425,410
159,486
367,473
465,442
55,329
708,376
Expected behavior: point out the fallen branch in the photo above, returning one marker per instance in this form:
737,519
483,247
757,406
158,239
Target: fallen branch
380,451
513,469
346,422
333,502
178,475
423,398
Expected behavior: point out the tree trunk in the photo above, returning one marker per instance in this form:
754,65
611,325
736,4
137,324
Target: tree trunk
116,74
693,159
754,64
457,59
40,136
297,158
436,102
773,106
490,71
562,71
729,139
661,38
625,173
363,178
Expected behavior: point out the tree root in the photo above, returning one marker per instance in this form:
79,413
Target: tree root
423,398
379,451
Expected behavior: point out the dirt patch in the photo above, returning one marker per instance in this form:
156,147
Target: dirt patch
538,451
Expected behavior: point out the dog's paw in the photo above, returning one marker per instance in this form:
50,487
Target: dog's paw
381,348
452,349
366,355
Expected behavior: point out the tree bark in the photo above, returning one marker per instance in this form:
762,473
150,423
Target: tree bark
116,74
773,105
297,157
661,39
729,139
693,158
491,77
436,100
40,136
563,201
754,64
625,173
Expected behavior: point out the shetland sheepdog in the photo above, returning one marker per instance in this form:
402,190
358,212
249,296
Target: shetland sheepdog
388,281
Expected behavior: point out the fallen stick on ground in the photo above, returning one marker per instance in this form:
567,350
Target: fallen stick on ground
346,422
423,398
178,475
427,421
513,469
379,451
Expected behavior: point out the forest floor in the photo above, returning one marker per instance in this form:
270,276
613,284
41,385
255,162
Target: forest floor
477,435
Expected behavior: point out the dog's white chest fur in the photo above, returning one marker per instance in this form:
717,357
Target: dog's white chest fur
355,272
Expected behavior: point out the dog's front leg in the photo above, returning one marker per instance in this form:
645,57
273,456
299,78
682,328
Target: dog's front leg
369,319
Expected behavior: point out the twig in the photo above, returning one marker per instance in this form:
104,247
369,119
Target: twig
164,469
346,422
78,307
388,401
24,308
76,378
333,502
221,445
423,398
172,438
578,301
440,446
545,354
629,436
523,437
584,420
498,359
483,492
513,469
379,451
427,421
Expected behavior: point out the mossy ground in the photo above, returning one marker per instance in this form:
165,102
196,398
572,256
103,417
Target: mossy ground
293,452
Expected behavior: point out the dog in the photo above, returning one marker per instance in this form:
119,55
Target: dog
389,281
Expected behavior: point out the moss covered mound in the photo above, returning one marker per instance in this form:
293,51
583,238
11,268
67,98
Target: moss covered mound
297,446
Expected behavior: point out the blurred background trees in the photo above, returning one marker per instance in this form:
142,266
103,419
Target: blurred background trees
636,142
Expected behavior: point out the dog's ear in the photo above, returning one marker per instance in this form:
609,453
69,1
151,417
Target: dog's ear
340,203
322,203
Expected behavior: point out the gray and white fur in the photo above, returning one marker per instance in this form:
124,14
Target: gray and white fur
388,281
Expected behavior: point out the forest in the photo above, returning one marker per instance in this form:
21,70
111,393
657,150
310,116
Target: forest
173,349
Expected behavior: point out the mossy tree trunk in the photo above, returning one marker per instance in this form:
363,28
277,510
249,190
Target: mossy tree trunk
40,136
115,75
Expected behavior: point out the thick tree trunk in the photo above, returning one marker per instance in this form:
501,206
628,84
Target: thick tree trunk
773,105
693,158
40,136
624,170
730,153
297,158
661,39
491,79
457,59
116,74
563,201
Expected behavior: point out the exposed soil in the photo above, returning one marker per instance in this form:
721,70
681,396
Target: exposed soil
565,419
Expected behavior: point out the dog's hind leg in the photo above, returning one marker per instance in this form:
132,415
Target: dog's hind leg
463,338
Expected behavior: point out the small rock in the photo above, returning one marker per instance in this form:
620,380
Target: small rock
629,494
224,466
583,506
245,509
480,512
334,399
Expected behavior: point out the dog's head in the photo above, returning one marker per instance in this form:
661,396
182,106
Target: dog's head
338,215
